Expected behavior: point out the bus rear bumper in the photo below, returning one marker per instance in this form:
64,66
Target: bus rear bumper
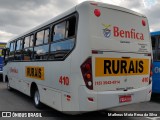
109,99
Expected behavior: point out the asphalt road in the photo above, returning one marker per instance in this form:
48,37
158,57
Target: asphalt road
16,101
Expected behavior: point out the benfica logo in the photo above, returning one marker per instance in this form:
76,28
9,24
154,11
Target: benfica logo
106,30
119,32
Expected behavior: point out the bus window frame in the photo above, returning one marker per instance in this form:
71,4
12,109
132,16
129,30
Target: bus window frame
50,26
75,14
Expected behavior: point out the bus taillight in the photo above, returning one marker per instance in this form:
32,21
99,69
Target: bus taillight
86,69
88,66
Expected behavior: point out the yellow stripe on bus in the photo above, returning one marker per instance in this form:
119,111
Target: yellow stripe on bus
35,72
121,66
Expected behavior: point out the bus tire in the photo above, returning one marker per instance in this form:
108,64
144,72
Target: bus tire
36,99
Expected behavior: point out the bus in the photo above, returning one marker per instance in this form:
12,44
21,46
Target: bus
2,45
92,57
155,37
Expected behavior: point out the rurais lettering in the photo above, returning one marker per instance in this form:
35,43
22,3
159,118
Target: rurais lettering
122,66
35,72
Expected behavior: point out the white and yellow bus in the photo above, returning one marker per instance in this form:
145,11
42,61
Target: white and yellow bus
93,57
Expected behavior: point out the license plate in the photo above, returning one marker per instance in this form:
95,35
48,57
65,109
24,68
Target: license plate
125,98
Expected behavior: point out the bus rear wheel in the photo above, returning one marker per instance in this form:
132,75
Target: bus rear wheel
36,99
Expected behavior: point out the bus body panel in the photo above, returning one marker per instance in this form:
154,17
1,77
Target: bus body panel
51,88
109,99
116,30
51,97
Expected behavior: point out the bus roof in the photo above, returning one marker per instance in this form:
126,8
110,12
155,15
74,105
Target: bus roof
155,33
68,12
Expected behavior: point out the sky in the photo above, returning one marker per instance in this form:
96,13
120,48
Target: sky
18,16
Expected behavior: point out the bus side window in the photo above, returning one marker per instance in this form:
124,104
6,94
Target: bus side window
31,40
60,49
71,27
12,49
46,36
28,49
63,39
39,37
26,41
59,31
27,54
18,51
41,48
41,52
12,46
